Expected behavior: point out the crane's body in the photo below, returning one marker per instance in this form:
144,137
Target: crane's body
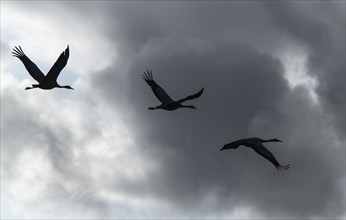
167,103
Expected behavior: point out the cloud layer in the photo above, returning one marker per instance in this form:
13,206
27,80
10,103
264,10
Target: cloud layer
97,152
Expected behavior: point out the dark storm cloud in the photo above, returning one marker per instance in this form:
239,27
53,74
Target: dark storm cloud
187,142
245,95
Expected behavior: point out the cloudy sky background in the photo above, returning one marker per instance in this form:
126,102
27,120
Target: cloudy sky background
269,69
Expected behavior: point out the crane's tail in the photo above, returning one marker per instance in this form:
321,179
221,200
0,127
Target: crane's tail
281,168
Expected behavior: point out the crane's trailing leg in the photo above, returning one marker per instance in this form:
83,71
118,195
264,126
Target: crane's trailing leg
281,168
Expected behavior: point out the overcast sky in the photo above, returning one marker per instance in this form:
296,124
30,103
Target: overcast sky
269,69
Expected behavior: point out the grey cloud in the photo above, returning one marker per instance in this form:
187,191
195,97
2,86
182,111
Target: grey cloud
73,191
218,46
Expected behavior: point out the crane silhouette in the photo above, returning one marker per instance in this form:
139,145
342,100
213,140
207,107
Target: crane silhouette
257,145
45,81
167,103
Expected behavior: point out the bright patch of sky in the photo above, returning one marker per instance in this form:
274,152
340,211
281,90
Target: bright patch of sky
296,71
89,50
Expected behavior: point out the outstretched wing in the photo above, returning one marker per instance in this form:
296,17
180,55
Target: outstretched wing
263,151
194,96
158,91
30,66
59,64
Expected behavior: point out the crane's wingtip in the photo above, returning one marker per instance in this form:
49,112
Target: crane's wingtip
17,51
147,76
